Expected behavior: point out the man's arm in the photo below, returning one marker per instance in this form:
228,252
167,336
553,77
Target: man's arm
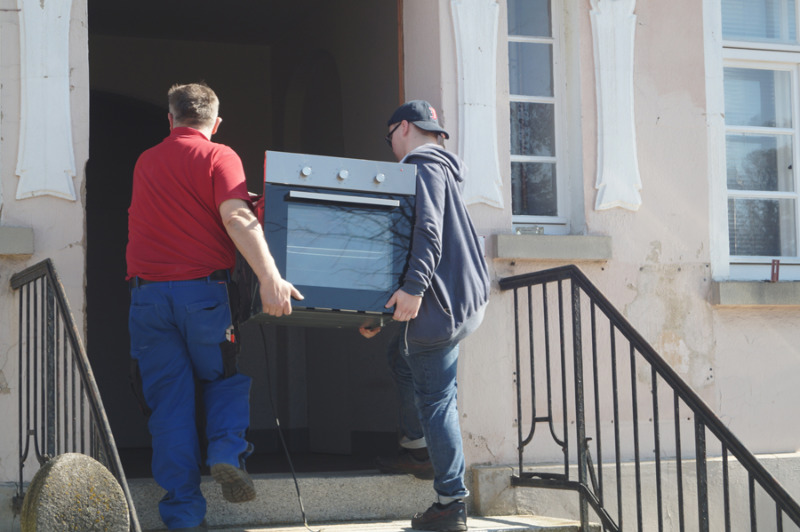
245,231
426,244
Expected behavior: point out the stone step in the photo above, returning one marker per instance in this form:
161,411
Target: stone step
358,501
513,523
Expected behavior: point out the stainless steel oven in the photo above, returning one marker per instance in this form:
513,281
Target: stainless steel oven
339,230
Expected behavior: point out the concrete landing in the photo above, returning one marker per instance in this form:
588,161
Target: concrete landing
339,502
327,498
476,524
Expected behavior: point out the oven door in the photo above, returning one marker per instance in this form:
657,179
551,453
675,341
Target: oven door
345,251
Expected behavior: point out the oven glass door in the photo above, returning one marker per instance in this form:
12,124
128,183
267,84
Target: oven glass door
342,250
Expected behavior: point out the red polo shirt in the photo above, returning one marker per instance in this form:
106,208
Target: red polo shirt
175,231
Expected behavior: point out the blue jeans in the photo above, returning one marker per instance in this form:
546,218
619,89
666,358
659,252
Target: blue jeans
176,328
426,388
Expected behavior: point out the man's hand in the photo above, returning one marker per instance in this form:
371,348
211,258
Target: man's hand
369,332
276,297
405,305
248,236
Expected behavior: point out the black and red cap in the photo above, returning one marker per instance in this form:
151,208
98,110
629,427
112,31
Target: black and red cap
421,114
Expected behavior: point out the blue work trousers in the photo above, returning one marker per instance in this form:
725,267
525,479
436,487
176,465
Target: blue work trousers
176,329
426,389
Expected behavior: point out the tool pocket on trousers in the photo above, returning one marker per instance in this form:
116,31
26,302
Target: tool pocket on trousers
230,357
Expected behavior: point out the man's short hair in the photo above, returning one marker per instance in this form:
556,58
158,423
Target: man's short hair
193,105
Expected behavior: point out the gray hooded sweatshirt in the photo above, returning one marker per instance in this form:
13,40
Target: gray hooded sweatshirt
446,264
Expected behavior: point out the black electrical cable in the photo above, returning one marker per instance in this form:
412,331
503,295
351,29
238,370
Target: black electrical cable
280,434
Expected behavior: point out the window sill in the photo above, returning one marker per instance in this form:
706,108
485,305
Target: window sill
16,241
755,293
553,247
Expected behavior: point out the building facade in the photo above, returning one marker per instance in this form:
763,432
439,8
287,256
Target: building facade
650,143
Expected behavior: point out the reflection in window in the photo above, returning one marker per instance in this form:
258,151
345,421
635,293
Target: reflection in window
339,247
533,189
760,162
761,227
532,129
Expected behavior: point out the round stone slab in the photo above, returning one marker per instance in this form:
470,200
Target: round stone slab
74,492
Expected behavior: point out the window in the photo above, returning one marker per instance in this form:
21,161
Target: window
539,185
761,70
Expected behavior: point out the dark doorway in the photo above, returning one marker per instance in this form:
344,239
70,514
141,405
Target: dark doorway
312,76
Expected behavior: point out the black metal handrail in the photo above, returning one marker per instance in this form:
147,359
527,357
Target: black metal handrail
60,409
603,395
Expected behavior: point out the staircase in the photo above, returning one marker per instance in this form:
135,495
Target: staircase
639,446
577,359
338,502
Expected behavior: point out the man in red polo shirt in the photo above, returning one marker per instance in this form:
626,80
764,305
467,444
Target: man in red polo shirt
189,213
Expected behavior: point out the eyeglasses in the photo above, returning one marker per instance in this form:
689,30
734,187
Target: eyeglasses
388,137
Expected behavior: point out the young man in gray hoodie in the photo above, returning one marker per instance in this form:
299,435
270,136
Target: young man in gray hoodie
441,300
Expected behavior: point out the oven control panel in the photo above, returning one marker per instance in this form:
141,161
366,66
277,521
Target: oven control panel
358,175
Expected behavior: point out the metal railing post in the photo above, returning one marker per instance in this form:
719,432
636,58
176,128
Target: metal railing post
580,415
702,474
50,372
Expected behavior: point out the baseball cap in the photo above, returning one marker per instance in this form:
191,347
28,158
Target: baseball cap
421,114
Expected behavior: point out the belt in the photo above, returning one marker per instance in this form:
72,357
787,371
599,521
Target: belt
219,275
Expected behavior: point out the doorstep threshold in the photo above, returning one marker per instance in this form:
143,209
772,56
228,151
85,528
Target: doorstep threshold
514,523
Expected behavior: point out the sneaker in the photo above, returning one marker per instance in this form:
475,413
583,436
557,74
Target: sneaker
237,486
405,463
442,517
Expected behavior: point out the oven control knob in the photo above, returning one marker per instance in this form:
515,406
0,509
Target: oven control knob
380,178
343,174
306,171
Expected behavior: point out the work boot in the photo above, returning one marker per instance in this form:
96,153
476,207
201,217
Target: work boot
410,462
450,517
237,486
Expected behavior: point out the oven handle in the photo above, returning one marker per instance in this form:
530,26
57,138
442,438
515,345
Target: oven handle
343,198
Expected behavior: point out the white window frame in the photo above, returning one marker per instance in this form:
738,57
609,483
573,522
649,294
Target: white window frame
720,54
566,113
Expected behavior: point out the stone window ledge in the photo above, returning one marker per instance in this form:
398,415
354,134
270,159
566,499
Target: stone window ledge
553,247
16,241
755,293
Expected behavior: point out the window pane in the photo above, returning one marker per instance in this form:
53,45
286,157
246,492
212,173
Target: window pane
533,189
350,255
530,18
759,20
532,129
530,69
759,162
755,97
762,227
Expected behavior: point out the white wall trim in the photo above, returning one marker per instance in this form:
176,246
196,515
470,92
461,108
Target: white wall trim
1,160
46,160
719,249
573,110
475,25
618,180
